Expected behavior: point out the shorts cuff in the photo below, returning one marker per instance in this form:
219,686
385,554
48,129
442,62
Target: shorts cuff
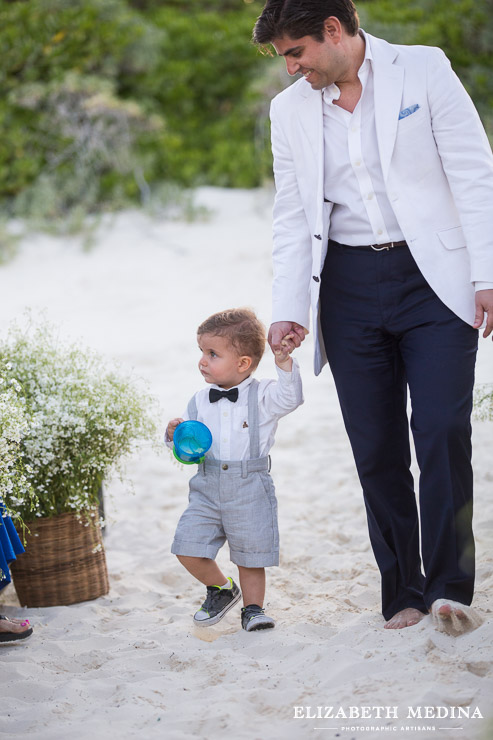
194,549
254,559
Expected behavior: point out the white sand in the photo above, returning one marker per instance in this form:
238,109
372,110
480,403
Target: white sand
130,664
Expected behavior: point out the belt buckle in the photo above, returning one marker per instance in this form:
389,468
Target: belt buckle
388,246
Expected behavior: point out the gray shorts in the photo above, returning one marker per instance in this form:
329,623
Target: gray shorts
238,505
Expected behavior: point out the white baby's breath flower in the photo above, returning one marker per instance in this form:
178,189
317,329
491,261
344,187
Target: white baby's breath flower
80,419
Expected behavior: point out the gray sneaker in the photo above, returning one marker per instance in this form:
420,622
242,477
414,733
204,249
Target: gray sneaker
253,617
218,602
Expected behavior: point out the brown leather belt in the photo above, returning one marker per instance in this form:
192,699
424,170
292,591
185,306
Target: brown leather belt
373,247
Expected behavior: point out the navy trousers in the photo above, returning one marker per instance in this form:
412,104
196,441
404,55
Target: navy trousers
385,331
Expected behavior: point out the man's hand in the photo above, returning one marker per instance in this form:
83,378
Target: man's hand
484,304
289,332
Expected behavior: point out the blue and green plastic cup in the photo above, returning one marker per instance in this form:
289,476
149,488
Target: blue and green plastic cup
191,441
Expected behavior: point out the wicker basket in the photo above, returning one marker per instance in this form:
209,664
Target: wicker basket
64,563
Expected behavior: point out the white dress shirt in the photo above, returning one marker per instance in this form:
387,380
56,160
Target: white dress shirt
228,422
354,182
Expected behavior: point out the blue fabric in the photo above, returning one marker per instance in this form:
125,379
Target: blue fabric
10,546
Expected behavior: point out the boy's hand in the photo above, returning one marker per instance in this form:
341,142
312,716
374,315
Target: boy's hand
170,429
283,360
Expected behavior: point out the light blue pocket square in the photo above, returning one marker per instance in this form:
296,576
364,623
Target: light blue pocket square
408,111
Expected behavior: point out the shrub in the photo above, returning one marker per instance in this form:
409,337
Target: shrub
204,86
104,98
59,59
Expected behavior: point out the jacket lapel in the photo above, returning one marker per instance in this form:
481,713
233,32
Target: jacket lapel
311,117
310,114
388,82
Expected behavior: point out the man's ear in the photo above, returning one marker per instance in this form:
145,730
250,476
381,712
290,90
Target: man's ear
244,364
333,28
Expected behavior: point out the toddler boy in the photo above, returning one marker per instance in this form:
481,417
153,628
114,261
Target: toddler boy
232,495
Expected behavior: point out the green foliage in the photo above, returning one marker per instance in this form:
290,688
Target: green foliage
203,86
92,154
44,44
104,98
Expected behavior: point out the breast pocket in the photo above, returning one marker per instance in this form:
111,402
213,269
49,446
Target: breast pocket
409,123
240,419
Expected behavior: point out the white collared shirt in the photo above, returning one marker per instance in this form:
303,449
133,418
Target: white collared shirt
362,212
228,422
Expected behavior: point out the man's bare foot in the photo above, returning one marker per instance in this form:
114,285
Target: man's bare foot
454,618
405,618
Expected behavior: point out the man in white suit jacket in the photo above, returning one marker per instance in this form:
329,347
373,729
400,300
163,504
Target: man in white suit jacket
383,227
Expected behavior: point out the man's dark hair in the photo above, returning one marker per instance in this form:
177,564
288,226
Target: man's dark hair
298,18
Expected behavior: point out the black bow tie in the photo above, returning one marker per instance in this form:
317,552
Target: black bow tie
215,395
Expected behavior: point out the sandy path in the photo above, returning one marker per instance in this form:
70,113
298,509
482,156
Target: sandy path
130,664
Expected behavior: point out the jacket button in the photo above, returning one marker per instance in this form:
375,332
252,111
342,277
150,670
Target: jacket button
317,236
317,279
225,467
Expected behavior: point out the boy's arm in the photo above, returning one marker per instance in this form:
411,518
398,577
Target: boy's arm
285,395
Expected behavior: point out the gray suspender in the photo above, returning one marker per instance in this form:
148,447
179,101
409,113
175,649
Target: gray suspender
253,420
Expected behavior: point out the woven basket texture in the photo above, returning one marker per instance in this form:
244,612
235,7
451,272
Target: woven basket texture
60,565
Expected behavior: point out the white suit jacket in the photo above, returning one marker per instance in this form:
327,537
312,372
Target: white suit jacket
438,169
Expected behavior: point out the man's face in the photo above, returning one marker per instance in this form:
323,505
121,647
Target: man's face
321,63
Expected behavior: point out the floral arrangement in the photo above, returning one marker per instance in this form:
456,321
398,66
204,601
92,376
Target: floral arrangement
80,419
15,489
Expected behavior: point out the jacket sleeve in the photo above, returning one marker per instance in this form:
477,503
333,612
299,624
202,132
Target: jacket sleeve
467,160
292,252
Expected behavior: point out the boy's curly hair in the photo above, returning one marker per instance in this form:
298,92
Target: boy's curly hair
243,329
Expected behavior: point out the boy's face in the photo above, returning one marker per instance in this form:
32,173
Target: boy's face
220,363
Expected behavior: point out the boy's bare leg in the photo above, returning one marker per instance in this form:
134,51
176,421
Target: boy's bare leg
204,570
252,582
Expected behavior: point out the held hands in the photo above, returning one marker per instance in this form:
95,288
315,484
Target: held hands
170,429
484,304
284,337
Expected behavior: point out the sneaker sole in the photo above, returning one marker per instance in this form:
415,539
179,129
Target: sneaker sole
257,624
218,617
